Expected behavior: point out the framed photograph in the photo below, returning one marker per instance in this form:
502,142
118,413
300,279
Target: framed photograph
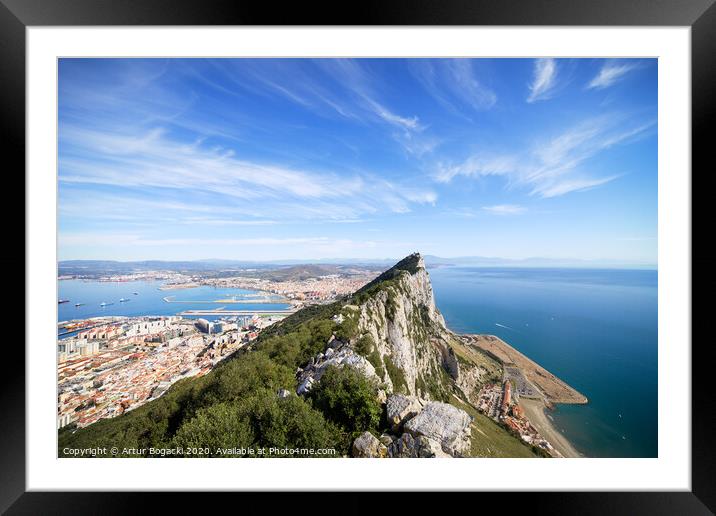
405,251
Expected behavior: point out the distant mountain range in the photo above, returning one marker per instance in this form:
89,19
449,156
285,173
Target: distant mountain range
68,267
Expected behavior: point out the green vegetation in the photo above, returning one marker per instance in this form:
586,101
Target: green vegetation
296,348
366,346
387,281
408,264
348,399
261,420
438,384
390,286
348,328
295,320
397,377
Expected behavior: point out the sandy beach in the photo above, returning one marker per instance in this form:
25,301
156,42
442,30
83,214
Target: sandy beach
534,410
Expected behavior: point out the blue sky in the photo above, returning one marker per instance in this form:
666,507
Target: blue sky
368,158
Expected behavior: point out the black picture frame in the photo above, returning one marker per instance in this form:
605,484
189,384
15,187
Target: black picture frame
700,15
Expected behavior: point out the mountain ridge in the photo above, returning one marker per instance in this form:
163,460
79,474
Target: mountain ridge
430,261
341,365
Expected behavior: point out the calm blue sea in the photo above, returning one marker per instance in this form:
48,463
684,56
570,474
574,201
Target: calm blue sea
148,301
595,329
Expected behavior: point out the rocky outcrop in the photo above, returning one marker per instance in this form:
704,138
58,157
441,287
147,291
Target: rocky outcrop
429,429
406,446
445,424
368,446
338,355
452,366
401,408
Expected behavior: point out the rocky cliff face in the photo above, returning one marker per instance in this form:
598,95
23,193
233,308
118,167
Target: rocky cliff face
399,327
391,330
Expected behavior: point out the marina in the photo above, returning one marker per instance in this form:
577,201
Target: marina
138,298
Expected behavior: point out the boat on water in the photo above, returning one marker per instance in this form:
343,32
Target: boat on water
79,304
103,304
135,293
123,300
63,301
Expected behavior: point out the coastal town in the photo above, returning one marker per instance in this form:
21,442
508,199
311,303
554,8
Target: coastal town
323,288
293,287
119,363
110,365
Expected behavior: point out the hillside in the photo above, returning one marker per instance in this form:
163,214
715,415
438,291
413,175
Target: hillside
375,374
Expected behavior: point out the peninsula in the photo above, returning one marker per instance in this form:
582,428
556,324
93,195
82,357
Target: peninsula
372,373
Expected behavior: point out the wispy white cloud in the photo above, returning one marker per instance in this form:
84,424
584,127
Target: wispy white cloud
417,144
454,84
570,184
505,209
609,74
128,239
411,123
555,166
476,166
544,80
466,85
156,161
409,132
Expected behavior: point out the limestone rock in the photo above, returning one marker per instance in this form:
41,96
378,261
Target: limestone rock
429,448
382,396
445,424
403,321
406,446
403,447
339,357
401,408
305,385
386,439
367,445
451,363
